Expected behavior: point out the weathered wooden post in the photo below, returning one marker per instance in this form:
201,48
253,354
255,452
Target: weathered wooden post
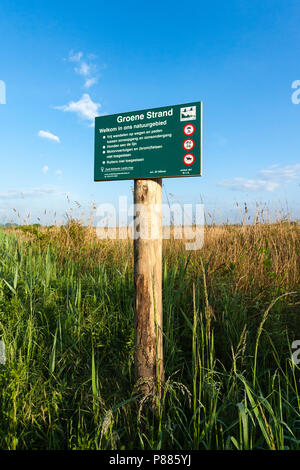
149,366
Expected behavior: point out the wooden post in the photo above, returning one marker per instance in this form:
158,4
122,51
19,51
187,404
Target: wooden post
149,367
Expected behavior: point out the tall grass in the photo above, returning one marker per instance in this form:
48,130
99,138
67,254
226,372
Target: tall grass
230,316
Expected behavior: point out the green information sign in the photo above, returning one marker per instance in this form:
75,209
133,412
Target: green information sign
151,143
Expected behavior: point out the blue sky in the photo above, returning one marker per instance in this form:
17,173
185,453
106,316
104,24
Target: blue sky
65,62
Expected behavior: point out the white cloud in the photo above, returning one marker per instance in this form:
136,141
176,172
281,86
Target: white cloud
28,193
48,135
243,184
45,169
58,172
285,174
85,108
269,179
90,81
92,56
75,56
84,69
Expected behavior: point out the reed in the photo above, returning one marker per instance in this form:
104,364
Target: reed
231,313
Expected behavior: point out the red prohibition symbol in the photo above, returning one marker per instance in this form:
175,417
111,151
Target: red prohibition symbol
188,159
189,129
188,144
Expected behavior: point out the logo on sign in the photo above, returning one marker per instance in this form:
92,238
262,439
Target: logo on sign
188,159
188,114
189,129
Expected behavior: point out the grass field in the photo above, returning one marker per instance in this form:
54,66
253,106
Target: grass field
231,313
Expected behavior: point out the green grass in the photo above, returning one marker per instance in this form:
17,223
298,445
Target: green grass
66,318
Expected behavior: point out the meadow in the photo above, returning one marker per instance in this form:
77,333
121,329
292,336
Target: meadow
231,314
